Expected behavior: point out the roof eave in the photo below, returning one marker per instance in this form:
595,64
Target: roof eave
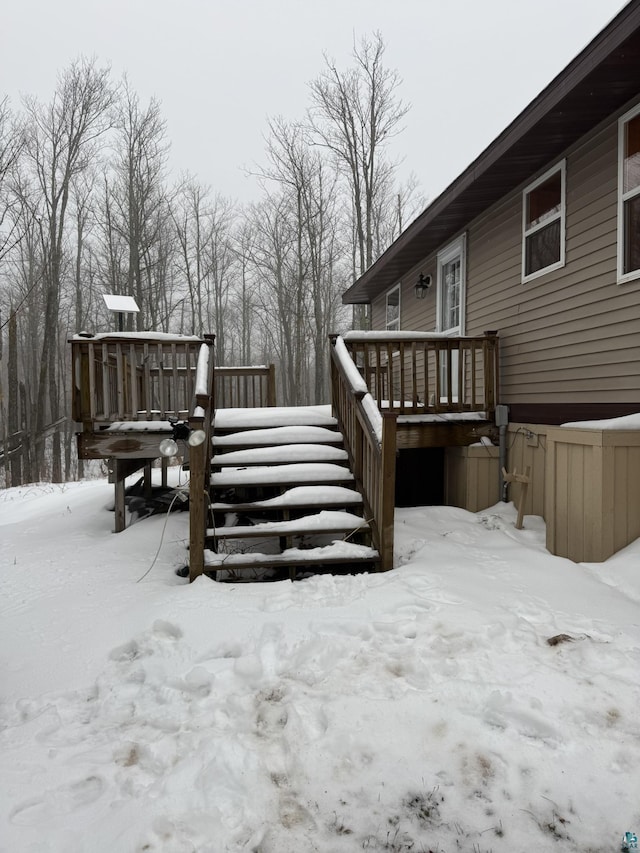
403,254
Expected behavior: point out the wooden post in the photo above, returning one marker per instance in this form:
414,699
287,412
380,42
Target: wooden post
118,479
271,386
148,485
198,499
387,489
438,375
524,480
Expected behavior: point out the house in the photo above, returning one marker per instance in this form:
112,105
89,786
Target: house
538,240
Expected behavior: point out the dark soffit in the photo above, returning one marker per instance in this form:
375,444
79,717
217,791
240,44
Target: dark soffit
599,81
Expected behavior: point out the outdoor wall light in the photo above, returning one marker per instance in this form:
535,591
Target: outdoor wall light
422,286
168,447
196,437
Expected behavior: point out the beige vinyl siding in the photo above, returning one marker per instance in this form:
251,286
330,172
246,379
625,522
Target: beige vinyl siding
574,334
379,312
571,335
593,492
415,314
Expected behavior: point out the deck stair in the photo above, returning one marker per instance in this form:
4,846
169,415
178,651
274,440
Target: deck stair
283,500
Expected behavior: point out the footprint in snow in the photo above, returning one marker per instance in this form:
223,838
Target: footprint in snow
144,646
126,653
294,814
58,802
166,630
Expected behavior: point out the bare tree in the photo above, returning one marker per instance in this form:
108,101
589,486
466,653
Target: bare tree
137,199
111,247
244,307
274,261
11,142
191,223
62,140
207,258
353,114
23,297
311,185
11,146
395,207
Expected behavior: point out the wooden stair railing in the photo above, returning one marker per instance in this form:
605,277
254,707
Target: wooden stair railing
370,441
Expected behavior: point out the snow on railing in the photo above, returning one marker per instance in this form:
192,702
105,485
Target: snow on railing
202,371
370,441
352,373
359,387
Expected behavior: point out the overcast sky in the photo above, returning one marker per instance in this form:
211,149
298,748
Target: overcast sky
221,67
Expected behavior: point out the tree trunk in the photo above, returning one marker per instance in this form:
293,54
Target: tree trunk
13,406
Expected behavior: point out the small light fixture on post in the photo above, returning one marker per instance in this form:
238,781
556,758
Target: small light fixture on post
422,286
180,432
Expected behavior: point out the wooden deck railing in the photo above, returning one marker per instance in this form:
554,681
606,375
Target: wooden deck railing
413,373
245,387
125,377
370,441
128,377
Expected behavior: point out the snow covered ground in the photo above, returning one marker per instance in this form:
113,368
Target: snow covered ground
420,710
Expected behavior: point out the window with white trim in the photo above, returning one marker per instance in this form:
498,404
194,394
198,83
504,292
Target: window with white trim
393,309
450,305
543,223
629,196
450,297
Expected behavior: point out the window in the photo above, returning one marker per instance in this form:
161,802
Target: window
629,196
393,309
451,285
450,300
543,205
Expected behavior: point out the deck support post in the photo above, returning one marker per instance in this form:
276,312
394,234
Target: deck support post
388,490
271,385
119,477
199,464
148,484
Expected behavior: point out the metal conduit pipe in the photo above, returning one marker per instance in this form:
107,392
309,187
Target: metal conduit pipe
502,421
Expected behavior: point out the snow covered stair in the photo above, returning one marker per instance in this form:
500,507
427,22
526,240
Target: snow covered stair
274,436
280,455
283,497
300,497
298,473
321,522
